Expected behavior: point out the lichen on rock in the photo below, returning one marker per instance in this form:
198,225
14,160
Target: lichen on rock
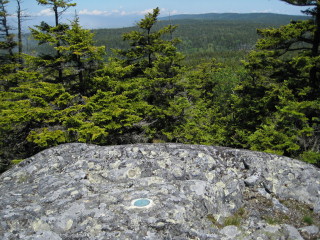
159,191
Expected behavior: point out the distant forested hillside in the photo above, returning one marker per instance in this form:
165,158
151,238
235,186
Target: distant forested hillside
227,37
264,18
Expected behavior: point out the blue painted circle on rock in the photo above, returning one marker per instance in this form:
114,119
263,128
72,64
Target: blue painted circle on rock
141,202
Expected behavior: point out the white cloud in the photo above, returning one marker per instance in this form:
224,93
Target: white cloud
45,12
264,11
144,12
115,12
174,12
94,12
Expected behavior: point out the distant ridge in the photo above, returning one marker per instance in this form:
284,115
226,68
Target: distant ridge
256,17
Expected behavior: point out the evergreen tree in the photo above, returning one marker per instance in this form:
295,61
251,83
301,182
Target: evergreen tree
277,106
81,56
7,45
52,35
153,63
151,54
313,40
21,17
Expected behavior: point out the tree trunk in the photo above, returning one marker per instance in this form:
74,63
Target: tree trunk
4,23
82,83
19,32
56,15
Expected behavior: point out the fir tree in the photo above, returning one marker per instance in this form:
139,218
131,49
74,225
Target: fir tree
52,35
7,44
82,57
21,17
277,106
151,54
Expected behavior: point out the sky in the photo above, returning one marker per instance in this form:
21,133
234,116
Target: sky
123,13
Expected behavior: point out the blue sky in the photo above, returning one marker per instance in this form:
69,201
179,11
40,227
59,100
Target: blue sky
120,13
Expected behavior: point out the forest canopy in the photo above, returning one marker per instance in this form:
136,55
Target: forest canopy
149,91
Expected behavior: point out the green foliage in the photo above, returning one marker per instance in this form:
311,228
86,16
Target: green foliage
52,36
227,39
7,42
311,157
199,111
57,3
24,108
234,219
8,59
16,161
145,94
308,220
82,58
47,138
277,106
51,61
150,54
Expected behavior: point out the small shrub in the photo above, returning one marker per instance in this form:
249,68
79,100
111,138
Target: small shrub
236,218
16,161
270,220
212,219
311,157
232,220
23,178
308,220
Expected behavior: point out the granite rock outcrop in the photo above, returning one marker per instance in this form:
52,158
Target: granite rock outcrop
159,191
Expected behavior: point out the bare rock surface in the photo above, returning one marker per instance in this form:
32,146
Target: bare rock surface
159,191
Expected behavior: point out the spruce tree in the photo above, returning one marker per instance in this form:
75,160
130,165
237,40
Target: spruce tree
52,35
7,45
313,40
276,107
152,52
82,57
7,38
21,17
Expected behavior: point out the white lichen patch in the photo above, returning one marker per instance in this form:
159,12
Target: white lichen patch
55,165
177,171
91,165
135,149
96,229
184,154
220,185
114,153
155,180
73,193
39,225
291,176
179,212
49,212
134,173
68,225
115,165
210,176
164,163
199,187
